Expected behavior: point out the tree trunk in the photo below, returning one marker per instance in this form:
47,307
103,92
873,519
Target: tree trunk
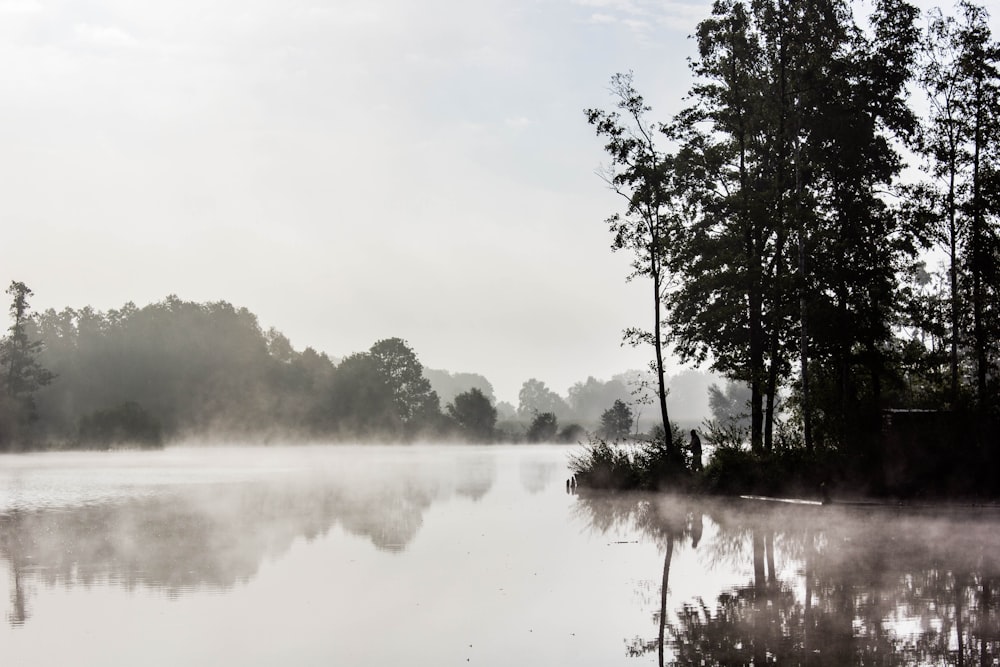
663,595
803,305
953,269
978,326
672,447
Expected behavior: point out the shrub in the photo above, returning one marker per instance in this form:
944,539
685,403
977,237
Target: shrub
642,465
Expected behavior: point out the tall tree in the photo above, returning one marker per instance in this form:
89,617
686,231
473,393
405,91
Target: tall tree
944,145
416,404
978,61
616,421
23,374
642,174
961,146
732,248
789,137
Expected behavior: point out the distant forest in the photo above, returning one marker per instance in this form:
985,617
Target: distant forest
176,370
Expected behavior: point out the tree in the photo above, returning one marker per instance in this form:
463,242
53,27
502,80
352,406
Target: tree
360,401
730,405
961,144
588,399
474,414
196,367
733,250
616,421
449,385
788,149
643,175
23,374
18,354
543,428
535,398
416,404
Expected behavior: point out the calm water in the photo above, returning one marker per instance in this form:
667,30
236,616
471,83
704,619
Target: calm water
464,555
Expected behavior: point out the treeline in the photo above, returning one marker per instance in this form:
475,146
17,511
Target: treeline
183,370
796,248
179,369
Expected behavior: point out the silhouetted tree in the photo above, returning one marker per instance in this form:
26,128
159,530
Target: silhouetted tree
416,404
474,414
616,421
643,175
961,142
786,149
23,374
361,401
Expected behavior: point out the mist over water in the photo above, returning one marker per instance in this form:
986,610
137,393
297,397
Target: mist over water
443,555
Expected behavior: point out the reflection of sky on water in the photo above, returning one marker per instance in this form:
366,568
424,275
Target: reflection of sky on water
432,555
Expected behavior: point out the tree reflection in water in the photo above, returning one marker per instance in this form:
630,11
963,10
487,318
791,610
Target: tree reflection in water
216,536
664,522
867,585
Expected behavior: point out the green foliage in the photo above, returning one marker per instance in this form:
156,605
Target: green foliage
126,424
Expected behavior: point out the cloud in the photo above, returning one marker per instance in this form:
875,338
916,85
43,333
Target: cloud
602,18
20,7
636,25
345,17
104,36
640,16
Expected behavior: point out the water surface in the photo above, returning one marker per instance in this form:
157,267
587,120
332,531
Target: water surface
441,555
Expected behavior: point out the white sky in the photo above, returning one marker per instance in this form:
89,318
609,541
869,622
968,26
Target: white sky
347,170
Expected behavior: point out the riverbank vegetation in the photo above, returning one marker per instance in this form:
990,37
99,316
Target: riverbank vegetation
793,245
177,370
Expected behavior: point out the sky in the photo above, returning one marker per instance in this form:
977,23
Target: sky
347,170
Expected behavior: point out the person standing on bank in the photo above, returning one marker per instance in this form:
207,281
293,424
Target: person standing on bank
695,451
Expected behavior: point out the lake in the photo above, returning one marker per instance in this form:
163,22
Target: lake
453,555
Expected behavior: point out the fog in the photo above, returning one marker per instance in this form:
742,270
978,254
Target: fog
427,553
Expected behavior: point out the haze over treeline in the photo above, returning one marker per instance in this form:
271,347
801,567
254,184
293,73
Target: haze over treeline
179,369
